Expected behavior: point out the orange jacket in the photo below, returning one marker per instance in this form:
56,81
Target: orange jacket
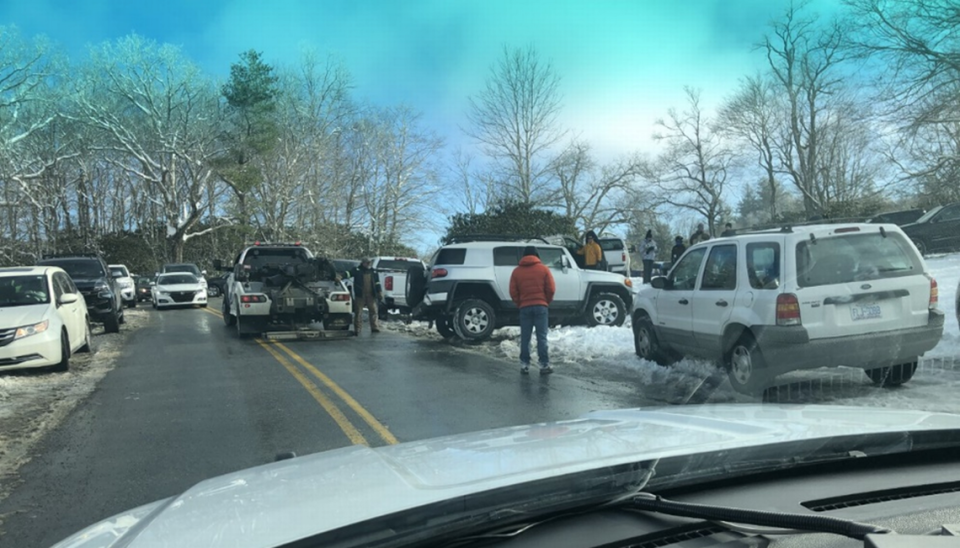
531,283
592,253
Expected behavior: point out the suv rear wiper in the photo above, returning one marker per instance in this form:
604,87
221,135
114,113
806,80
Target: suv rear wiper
813,523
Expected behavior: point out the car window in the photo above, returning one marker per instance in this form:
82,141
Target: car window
684,276
611,245
506,256
950,213
118,271
763,265
398,264
24,290
855,257
721,269
192,269
451,256
60,286
79,268
551,256
177,279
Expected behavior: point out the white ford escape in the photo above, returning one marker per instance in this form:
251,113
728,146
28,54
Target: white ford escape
767,302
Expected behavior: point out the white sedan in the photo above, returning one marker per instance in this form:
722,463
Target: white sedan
178,289
43,318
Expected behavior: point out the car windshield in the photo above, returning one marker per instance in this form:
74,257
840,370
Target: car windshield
23,290
237,159
171,279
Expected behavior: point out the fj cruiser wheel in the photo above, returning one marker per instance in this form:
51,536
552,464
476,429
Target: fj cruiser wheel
744,364
605,309
132,304
416,285
88,339
646,344
111,324
444,327
894,375
228,318
474,320
64,364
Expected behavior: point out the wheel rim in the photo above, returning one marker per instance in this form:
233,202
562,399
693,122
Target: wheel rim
741,364
921,247
605,312
643,342
475,320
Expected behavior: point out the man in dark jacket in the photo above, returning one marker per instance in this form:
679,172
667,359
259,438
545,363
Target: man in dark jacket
532,288
699,236
678,249
728,231
366,293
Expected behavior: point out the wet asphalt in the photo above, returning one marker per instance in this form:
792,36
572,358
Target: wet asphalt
188,400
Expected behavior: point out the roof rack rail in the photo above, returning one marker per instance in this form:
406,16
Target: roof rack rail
466,238
265,243
788,227
69,255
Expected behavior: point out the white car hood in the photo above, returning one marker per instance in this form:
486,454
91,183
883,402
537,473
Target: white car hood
168,288
288,500
19,316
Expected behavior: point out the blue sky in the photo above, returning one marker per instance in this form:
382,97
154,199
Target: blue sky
623,63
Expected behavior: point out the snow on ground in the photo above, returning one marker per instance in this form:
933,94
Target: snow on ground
608,352
33,402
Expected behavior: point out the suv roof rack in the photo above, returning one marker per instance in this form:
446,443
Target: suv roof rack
788,227
466,238
70,256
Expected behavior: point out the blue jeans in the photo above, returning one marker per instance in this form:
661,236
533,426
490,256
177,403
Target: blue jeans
530,317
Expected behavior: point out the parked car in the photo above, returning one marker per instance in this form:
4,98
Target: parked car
143,285
616,253
392,272
901,218
769,302
99,289
178,289
466,290
128,289
216,285
43,318
937,230
186,267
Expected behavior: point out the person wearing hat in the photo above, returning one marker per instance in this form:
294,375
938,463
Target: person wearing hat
648,250
532,288
366,293
591,251
678,249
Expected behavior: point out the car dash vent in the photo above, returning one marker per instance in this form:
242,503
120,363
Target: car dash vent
669,537
886,495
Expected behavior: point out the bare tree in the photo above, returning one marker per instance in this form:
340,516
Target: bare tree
515,119
692,172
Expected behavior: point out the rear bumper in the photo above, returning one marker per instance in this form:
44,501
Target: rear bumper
790,348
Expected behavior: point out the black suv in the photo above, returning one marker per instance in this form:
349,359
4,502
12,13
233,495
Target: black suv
92,277
937,230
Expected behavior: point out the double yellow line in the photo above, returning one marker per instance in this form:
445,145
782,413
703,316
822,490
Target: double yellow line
351,431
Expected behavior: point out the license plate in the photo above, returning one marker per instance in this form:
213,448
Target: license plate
865,312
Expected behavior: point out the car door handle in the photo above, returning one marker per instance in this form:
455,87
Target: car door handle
721,302
684,301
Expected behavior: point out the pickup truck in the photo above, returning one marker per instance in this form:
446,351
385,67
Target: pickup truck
393,280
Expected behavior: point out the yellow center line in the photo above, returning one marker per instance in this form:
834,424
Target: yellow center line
352,403
214,312
351,431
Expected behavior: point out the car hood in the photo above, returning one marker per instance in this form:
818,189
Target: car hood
18,316
292,499
179,287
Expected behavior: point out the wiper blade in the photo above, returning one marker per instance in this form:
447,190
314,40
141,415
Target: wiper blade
781,520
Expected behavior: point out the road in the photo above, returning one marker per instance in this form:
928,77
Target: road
188,400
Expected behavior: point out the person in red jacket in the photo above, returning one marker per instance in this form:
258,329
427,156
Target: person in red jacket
532,288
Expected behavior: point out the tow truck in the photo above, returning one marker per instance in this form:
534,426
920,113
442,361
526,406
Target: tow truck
281,291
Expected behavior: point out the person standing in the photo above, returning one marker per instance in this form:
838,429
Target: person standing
678,249
699,236
648,249
532,288
366,293
728,231
591,251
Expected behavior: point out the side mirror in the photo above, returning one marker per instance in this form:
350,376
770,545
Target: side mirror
217,264
659,282
68,298
204,272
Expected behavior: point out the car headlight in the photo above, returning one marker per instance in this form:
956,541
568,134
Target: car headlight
101,286
28,330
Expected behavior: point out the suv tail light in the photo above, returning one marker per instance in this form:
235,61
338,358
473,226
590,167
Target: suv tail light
934,294
788,309
438,273
388,283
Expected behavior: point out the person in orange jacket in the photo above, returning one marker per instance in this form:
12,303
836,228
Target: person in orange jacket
532,288
591,251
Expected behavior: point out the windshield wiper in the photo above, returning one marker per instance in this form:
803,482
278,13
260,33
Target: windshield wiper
813,523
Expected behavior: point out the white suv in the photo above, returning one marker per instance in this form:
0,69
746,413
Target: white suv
128,289
768,302
466,290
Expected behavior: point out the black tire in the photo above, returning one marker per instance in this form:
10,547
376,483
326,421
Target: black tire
445,327
895,375
745,365
132,303
922,246
111,324
383,313
228,318
474,320
121,319
64,364
213,291
88,339
605,309
416,285
647,345
241,334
